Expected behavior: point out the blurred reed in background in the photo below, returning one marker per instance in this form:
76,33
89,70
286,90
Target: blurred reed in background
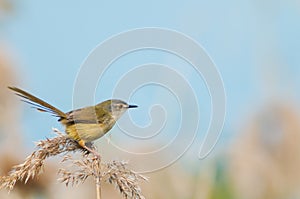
265,161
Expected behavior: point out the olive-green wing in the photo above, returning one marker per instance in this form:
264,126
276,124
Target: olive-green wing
83,115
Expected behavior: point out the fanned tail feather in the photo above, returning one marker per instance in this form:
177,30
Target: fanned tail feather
37,103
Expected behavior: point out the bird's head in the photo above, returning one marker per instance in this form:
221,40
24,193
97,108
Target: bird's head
116,107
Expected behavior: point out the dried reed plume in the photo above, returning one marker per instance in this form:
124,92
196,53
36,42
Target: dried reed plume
115,172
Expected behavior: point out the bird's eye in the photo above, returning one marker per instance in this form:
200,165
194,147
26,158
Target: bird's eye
118,106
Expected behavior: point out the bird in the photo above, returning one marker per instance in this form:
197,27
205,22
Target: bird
84,125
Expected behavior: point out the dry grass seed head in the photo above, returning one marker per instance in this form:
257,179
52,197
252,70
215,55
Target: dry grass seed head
115,172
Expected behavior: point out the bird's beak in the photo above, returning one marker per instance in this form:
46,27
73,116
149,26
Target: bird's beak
132,106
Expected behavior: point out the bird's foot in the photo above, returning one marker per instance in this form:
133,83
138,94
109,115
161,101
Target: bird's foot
94,152
90,149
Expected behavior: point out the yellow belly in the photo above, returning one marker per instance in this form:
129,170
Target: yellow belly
86,132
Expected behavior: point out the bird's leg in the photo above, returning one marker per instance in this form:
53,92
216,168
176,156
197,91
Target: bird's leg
83,145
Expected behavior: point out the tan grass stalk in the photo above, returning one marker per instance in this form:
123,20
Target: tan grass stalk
114,172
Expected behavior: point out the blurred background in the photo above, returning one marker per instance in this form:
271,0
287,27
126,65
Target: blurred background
255,45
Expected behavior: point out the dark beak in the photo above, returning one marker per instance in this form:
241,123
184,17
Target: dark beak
132,106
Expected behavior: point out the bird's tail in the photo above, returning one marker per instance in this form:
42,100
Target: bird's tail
38,103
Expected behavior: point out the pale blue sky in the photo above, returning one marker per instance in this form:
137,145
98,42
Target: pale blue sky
255,45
